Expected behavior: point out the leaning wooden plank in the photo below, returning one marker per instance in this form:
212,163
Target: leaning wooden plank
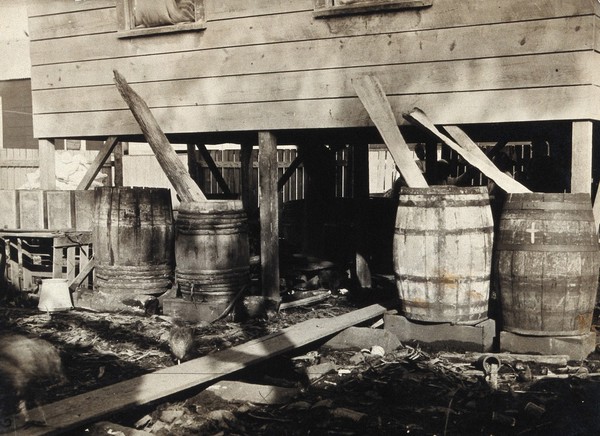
596,210
99,160
212,166
85,271
483,164
176,172
76,411
373,98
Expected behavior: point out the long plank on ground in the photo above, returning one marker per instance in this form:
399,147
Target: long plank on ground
477,159
374,100
76,411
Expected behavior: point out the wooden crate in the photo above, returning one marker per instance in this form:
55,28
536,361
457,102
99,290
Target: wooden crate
45,234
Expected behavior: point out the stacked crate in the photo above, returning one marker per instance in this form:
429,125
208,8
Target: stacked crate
45,234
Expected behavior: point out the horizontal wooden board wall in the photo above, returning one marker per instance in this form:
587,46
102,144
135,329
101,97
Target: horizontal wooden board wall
294,71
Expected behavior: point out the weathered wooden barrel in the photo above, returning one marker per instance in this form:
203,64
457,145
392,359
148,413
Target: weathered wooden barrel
443,253
547,260
211,251
133,240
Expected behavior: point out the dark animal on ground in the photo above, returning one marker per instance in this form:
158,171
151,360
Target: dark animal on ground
28,367
181,342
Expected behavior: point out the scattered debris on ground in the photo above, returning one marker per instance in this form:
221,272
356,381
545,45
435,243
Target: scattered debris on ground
344,386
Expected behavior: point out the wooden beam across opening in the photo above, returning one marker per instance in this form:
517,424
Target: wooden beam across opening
213,169
290,171
102,156
72,413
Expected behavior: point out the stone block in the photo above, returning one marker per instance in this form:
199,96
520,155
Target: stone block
357,338
443,336
576,347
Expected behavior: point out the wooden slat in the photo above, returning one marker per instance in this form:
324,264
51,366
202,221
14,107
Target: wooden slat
74,24
59,211
215,171
76,411
43,7
302,26
31,210
269,215
86,268
187,189
469,151
505,73
373,97
83,209
493,42
560,103
98,162
581,161
47,164
9,209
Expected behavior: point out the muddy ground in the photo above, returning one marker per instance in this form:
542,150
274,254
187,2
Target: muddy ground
411,390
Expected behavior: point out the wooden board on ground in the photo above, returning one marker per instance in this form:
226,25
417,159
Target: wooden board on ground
373,98
478,160
76,411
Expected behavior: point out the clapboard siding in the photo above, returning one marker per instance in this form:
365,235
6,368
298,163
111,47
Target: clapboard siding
269,65
538,104
495,41
265,29
456,76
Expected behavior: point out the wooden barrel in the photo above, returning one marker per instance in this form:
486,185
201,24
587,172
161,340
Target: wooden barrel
133,240
211,251
443,253
547,262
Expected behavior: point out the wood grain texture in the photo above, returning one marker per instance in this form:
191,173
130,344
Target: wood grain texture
560,103
178,175
372,96
259,54
76,411
454,76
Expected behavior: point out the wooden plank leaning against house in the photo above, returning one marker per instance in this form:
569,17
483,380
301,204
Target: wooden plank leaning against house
522,56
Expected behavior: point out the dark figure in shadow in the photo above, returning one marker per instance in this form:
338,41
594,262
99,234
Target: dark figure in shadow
543,173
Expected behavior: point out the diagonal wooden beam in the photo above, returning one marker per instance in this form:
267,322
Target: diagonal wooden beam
85,271
289,171
187,189
99,161
469,151
212,166
374,100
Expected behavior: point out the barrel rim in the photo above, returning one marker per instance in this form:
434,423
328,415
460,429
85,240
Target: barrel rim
444,190
210,206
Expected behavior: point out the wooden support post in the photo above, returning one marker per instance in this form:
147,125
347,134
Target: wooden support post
118,156
193,163
47,164
99,160
269,215
247,178
174,169
212,166
359,164
581,161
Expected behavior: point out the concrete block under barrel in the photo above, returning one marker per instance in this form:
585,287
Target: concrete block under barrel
443,253
212,253
133,240
547,260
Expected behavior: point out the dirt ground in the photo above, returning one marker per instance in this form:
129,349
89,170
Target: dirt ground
409,391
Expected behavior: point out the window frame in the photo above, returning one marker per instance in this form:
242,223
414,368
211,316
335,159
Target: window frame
328,8
127,27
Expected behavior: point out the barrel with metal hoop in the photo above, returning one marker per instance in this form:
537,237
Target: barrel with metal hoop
211,251
547,260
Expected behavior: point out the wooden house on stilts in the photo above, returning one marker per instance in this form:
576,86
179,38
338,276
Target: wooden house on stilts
269,72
